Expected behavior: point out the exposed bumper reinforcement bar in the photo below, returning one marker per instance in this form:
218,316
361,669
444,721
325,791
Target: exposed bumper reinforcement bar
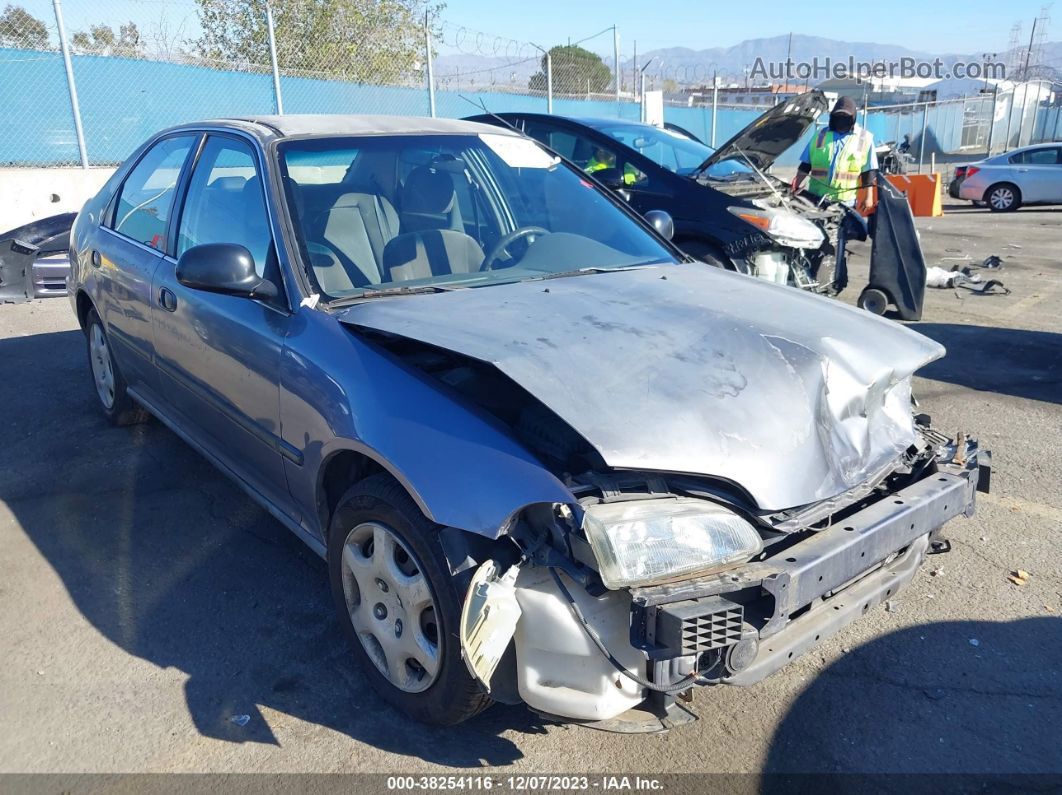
833,577
828,617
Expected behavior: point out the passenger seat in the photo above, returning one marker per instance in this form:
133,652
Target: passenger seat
358,228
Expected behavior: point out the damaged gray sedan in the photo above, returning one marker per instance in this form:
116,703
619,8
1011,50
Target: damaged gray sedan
548,458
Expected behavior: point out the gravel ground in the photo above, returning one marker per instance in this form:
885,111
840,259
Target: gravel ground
145,601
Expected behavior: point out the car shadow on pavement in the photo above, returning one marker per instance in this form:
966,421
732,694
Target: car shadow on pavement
173,563
1018,362
973,697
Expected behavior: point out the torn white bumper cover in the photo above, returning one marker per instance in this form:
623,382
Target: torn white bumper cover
732,627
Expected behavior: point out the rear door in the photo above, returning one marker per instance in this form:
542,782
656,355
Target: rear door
132,241
219,355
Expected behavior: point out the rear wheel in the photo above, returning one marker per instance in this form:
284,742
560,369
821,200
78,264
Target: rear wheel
115,401
398,603
1003,197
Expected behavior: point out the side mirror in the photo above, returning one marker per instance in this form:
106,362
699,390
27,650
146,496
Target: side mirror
662,223
223,268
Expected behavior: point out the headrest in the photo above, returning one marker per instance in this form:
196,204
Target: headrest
427,191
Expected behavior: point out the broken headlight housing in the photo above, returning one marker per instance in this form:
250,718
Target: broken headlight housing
642,542
786,227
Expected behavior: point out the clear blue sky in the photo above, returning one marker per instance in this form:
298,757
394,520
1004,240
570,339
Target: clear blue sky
936,27
969,27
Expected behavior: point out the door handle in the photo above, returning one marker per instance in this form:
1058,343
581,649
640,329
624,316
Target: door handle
167,300
95,259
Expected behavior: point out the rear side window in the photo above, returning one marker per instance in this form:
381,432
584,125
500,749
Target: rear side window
1036,157
225,203
146,197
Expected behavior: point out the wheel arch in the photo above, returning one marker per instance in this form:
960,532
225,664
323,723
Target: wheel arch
1000,183
347,466
83,305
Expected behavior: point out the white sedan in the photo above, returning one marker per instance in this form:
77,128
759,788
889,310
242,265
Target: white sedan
1030,175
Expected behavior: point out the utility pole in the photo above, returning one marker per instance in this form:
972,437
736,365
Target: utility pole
615,63
1028,54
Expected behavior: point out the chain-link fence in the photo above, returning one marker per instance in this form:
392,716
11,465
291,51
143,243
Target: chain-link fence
121,69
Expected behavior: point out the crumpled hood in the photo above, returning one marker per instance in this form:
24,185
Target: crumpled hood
688,368
772,133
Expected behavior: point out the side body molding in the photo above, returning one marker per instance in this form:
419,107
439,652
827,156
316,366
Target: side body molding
340,392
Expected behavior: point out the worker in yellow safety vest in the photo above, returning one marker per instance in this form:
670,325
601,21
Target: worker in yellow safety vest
603,159
840,160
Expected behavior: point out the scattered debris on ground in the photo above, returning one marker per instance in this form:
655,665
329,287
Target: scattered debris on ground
1019,577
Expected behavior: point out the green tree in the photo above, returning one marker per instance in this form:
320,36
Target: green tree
573,67
372,41
102,40
19,28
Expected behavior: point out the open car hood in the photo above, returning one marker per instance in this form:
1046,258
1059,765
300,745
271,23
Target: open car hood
691,369
773,132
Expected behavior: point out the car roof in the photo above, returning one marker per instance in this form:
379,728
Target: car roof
587,121
302,124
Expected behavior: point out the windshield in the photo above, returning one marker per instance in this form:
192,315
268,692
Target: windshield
672,150
420,212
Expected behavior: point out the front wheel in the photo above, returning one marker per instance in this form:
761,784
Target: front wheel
398,603
119,408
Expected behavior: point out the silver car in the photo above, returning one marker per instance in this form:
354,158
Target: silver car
548,458
1030,175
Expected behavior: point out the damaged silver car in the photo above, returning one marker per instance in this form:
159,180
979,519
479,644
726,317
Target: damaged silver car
548,458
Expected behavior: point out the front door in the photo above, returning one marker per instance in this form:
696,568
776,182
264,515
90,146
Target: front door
219,355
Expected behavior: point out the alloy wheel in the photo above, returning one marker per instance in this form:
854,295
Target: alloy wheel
1001,198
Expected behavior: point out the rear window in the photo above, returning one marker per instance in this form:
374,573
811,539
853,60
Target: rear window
1036,157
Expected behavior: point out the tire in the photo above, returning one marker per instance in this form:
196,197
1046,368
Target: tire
707,253
874,301
1003,197
111,390
380,603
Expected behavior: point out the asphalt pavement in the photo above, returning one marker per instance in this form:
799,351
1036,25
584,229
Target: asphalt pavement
153,618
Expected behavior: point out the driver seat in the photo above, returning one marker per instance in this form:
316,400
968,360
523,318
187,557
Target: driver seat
433,252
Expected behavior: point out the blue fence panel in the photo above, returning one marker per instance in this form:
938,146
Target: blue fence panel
36,124
125,100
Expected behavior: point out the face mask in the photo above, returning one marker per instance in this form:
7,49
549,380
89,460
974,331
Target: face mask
841,123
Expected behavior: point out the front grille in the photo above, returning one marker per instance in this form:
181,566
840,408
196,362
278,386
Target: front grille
698,625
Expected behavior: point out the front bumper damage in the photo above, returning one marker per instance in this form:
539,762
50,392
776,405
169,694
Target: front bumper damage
735,627
819,585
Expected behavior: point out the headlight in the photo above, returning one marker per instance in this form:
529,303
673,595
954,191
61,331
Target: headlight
785,227
648,541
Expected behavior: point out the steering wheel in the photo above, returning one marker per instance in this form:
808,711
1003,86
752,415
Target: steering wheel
499,248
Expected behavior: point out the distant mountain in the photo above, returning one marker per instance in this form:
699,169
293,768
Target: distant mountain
688,67
695,67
